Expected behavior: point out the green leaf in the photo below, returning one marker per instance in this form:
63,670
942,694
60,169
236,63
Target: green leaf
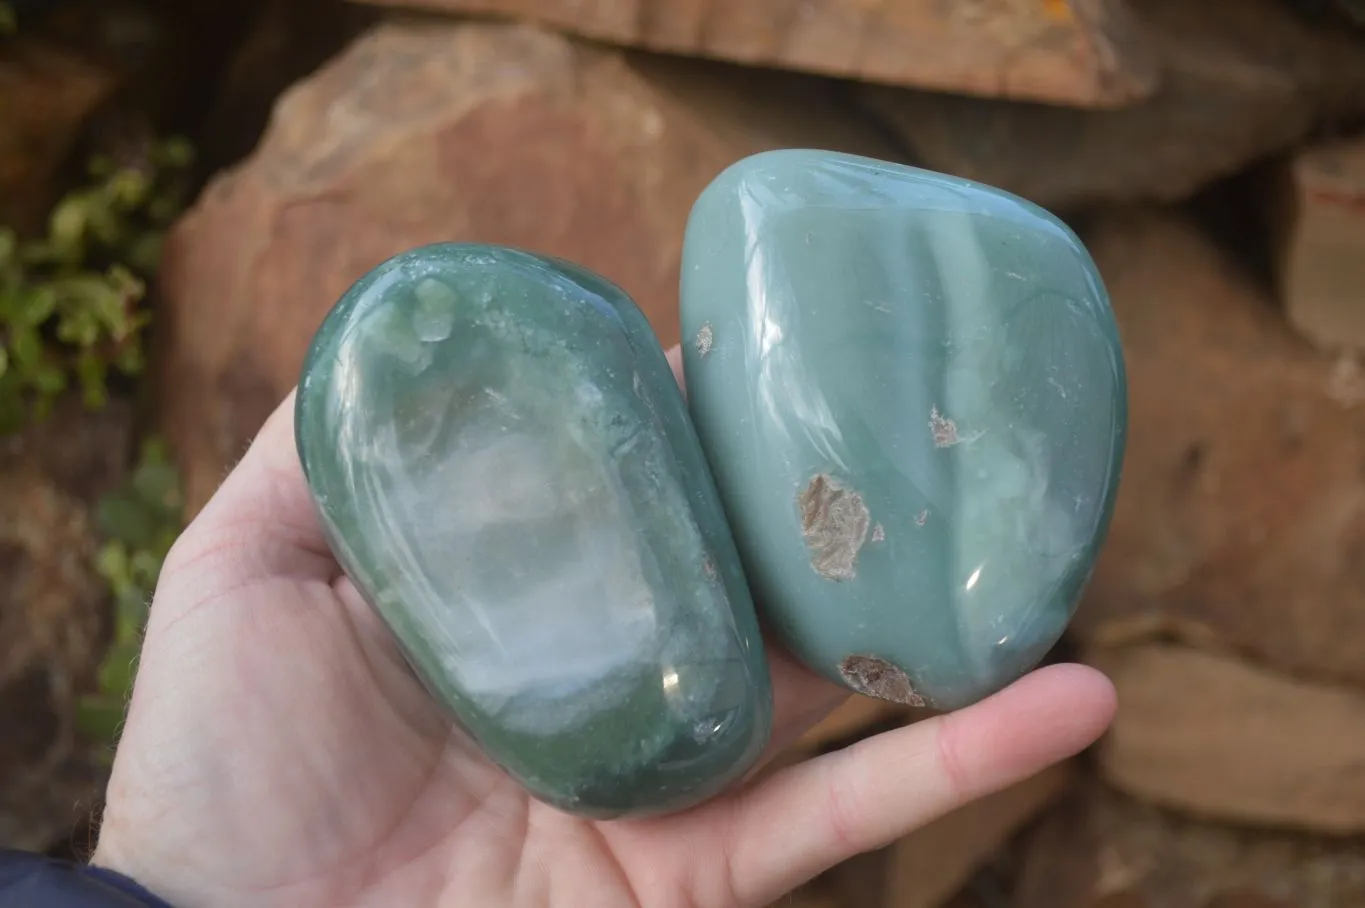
100,718
36,306
67,228
26,346
124,517
120,665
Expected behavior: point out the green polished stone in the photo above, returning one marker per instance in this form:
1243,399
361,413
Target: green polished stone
505,468
911,390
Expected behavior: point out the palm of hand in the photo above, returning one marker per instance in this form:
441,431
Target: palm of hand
278,752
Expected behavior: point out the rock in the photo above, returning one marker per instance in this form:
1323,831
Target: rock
50,623
430,132
911,392
929,866
503,462
1222,737
1241,517
808,896
286,40
52,617
1097,849
1242,898
855,718
1082,53
1240,81
1321,254
85,453
47,94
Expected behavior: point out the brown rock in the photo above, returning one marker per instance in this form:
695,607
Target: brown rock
285,41
430,132
1221,737
1098,848
855,717
1239,82
1321,260
928,867
85,453
1080,52
808,896
1241,898
50,624
52,615
1241,513
47,94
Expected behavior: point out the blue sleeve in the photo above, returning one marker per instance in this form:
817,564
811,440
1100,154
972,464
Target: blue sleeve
33,881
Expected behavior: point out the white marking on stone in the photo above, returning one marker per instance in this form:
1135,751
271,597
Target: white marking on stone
433,316
706,339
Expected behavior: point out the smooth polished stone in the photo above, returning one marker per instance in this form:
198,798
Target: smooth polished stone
505,468
912,393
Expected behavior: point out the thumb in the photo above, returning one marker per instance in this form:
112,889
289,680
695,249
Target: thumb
261,524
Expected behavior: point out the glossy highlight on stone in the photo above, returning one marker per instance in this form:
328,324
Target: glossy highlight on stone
912,394
505,468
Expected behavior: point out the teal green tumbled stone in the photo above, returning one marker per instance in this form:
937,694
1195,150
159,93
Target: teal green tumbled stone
911,390
505,467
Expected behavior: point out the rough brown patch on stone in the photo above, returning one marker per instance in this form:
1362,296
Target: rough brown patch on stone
944,429
706,339
834,523
878,678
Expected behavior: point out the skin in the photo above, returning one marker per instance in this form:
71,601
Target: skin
277,751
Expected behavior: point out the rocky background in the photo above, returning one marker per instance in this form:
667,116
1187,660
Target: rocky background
187,185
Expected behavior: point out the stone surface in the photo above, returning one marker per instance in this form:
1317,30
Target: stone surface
53,620
47,93
912,395
928,867
1081,52
504,466
931,866
1241,520
1239,81
284,42
1098,849
1225,738
855,718
1321,244
423,133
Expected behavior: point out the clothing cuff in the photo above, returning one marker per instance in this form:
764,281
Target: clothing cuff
30,880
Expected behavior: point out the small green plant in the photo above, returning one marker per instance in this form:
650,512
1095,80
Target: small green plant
8,22
70,302
139,522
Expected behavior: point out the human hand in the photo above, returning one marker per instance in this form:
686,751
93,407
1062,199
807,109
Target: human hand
278,751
